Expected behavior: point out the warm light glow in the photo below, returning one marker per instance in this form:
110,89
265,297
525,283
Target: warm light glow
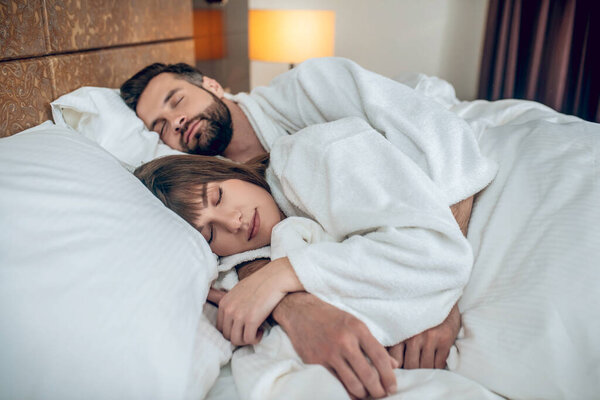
209,34
290,36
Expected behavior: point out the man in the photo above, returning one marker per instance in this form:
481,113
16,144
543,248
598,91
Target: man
191,113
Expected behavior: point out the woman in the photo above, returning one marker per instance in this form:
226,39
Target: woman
396,258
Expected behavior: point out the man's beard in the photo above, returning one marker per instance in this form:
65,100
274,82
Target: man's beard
215,138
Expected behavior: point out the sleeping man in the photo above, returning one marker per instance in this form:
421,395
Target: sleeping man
192,114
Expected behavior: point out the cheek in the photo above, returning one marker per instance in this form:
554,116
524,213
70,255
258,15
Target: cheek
228,244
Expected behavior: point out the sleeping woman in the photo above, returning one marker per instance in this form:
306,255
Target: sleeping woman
377,239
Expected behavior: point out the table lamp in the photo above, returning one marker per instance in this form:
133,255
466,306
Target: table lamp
290,36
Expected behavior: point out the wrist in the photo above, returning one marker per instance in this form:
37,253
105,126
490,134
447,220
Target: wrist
285,275
288,307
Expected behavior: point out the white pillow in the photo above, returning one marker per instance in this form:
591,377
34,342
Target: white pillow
102,116
431,86
101,287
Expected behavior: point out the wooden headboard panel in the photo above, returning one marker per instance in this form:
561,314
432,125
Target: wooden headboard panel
51,47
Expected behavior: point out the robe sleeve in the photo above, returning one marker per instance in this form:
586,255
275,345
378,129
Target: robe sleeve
395,257
324,90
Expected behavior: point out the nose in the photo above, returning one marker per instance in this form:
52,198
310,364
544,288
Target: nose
230,220
178,123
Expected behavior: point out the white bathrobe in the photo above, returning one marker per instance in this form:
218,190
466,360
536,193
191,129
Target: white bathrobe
329,89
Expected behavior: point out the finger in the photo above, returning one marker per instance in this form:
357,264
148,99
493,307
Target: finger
215,296
367,373
427,356
394,363
412,354
380,359
397,352
220,318
227,325
349,379
440,359
237,331
332,371
250,334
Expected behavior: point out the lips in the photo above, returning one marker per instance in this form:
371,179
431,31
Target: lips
254,225
191,130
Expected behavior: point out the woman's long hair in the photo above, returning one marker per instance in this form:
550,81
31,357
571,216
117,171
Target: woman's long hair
180,181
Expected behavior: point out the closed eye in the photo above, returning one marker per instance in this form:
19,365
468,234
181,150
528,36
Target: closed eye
178,101
210,239
220,196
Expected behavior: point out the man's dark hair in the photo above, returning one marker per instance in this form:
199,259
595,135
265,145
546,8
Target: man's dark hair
133,87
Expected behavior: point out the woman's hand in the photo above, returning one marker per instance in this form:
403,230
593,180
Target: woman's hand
243,309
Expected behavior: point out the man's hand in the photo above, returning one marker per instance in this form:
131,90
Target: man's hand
322,334
429,349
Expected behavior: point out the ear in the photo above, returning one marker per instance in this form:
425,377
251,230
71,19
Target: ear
212,86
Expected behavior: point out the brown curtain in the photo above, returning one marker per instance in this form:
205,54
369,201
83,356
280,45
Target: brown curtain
543,50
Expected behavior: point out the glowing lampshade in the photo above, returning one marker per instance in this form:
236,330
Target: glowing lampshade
290,36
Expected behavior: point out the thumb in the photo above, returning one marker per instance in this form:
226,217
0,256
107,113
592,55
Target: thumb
215,296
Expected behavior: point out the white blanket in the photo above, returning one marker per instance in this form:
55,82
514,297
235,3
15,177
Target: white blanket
531,309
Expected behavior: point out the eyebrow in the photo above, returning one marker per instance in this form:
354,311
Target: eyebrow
165,101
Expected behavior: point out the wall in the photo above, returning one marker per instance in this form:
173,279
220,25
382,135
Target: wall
51,47
230,32
437,37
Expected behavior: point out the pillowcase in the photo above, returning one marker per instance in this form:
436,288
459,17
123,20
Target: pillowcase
101,287
102,116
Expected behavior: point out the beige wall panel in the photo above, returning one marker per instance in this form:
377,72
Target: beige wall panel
28,86
107,68
25,94
21,29
89,24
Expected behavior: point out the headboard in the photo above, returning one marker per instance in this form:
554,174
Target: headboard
51,47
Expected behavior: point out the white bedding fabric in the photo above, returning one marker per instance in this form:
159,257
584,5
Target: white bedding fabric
101,287
531,308
102,116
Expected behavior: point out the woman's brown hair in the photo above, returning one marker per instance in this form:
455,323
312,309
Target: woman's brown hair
180,181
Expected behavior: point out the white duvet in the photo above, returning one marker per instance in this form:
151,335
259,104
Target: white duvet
530,310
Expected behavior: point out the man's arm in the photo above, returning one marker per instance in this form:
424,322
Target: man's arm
430,349
322,334
462,213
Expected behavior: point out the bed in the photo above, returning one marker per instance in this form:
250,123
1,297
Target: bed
102,289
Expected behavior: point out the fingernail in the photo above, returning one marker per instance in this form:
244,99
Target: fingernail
393,389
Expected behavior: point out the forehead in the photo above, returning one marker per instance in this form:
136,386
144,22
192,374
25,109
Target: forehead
151,99
204,194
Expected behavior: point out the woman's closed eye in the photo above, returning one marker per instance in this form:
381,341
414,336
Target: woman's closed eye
212,234
217,202
220,196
